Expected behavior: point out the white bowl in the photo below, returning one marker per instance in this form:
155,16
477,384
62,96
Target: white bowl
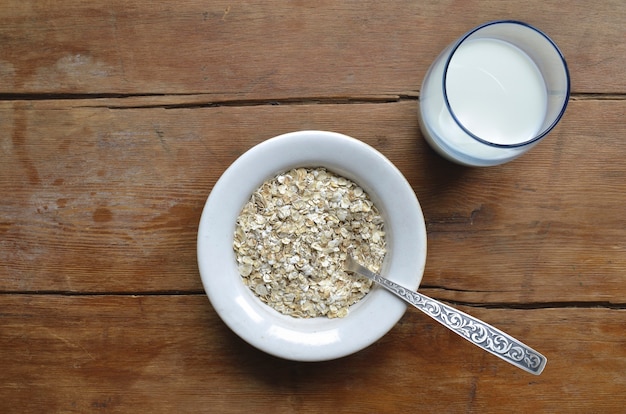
313,339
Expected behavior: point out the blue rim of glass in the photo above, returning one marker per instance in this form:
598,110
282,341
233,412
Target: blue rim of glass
458,122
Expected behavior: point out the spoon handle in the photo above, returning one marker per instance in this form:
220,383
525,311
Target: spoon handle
474,330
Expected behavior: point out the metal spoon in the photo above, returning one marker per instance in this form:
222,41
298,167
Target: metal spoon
474,330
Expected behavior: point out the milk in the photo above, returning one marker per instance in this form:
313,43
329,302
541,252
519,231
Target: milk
495,91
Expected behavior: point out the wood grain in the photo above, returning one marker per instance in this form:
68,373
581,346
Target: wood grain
100,198
172,353
278,50
117,119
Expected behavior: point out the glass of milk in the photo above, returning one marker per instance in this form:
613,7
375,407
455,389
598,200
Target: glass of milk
493,94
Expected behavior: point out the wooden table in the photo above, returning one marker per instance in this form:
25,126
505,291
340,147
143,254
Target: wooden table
116,120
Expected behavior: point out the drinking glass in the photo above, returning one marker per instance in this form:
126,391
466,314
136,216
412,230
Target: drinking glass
493,94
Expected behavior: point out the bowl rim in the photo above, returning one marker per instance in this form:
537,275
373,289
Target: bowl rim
313,339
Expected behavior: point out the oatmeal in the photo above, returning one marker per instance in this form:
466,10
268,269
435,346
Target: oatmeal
292,238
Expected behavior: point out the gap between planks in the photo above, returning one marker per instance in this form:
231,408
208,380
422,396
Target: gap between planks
201,100
493,305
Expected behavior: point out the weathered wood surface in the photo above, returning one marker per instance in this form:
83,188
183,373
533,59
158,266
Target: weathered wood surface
172,354
278,50
108,200
117,119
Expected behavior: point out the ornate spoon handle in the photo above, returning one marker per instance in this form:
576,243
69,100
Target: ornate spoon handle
474,330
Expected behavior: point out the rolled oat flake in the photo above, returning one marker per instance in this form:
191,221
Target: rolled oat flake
292,238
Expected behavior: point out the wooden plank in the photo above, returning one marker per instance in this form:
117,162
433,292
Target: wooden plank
325,49
173,354
102,200
548,221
